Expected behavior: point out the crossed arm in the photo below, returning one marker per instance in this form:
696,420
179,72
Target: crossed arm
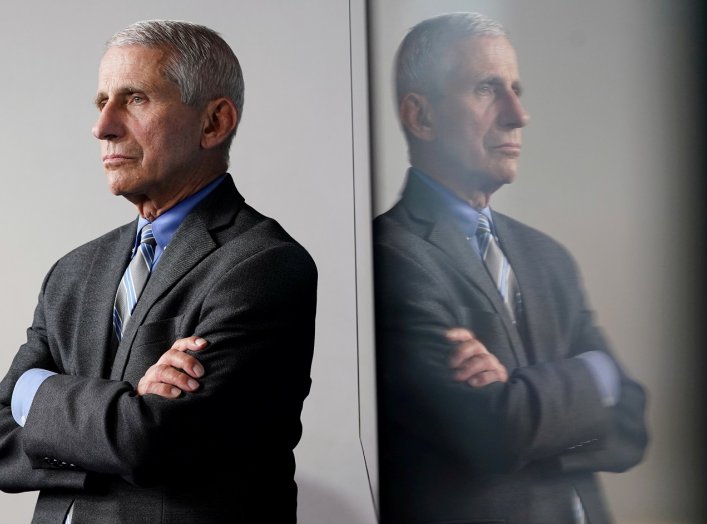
174,373
446,385
256,363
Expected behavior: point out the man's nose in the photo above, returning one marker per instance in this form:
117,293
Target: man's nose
513,114
108,126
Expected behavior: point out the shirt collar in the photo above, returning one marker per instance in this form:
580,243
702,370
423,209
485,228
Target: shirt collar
465,216
165,226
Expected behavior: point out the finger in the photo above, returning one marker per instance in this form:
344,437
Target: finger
459,335
481,363
474,366
493,371
156,388
192,343
487,377
177,359
465,351
162,373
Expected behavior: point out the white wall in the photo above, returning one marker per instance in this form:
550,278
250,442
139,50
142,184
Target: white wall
609,167
292,159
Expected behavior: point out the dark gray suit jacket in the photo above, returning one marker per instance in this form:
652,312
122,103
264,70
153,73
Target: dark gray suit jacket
512,453
220,454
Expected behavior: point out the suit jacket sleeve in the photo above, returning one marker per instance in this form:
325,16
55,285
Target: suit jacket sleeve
16,471
259,319
549,411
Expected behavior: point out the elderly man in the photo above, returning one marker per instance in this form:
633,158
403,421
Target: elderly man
499,397
98,411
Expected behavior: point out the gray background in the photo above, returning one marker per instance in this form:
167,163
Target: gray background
606,159
610,168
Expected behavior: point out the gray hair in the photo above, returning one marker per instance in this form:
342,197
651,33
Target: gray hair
199,61
422,60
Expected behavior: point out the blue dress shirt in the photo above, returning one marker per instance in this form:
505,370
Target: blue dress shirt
465,216
603,369
163,227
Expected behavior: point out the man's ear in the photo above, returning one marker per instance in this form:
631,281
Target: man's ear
415,116
220,119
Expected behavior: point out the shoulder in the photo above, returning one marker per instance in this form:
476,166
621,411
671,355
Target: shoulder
255,234
396,227
512,230
80,255
88,249
259,264
71,273
254,257
404,260
396,241
531,247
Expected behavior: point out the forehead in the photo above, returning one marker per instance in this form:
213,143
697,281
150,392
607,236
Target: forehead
133,65
478,57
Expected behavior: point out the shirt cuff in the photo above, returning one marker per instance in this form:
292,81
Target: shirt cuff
24,392
606,375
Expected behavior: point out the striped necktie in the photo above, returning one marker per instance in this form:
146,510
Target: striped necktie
498,267
134,280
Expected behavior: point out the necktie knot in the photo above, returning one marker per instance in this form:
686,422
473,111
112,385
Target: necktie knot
482,225
146,248
147,236
483,233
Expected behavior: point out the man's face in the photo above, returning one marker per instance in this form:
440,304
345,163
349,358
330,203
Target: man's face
478,118
150,140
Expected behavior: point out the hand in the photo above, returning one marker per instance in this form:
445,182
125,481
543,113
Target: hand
175,371
471,361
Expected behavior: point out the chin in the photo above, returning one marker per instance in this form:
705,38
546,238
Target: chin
508,178
505,174
119,183
493,183
113,188
114,185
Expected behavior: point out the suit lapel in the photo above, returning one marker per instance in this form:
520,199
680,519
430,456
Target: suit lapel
433,222
190,245
444,235
96,328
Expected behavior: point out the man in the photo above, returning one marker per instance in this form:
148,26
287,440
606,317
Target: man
98,411
499,398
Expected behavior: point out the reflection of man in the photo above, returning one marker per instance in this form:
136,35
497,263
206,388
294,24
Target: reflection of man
499,398
96,411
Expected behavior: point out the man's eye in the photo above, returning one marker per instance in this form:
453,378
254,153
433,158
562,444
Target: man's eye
136,99
484,89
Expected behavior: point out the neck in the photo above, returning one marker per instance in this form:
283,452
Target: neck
464,185
153,205
478,200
